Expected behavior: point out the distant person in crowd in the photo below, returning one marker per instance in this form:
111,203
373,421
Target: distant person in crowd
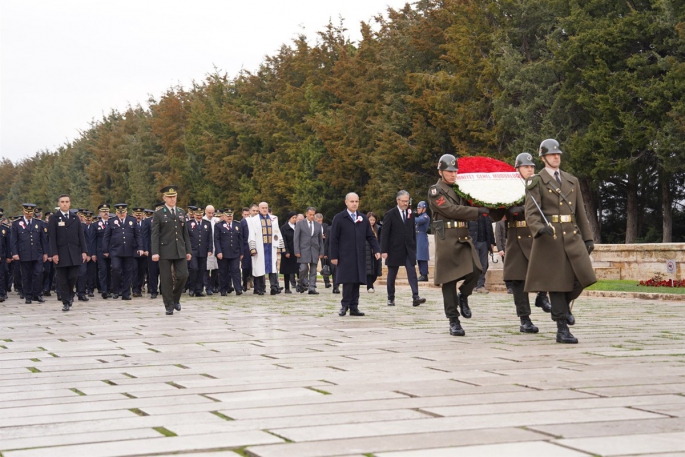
374,266
308,245
422,222
484,242
289,266
325,267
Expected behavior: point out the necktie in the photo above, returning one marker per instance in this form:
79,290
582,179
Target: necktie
404,216
311,229
556,176
354,217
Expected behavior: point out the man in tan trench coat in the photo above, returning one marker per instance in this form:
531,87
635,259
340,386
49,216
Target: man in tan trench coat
455,256
562,240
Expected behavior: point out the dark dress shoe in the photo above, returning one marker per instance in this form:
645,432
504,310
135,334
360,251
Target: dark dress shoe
136,295
169,312
153,295
105,296
313,292
280,288
570,320
422,278
82,298
542,301
288,291
418,301
40,299
336,291
464,306
199,294
65,307
223,294
125,298
391,302
177,306
328,285
91,294
356,313
191,293
455,327
342,312
47,294
28,301
2,299
209,292
239,292
527,326
510,291
21,295
275,291
115,296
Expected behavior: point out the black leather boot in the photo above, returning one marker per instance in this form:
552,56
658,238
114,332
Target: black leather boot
455,327
564,334
527,325
463,302
542,301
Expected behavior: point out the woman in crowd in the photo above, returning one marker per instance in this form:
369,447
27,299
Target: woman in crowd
289,267
373,265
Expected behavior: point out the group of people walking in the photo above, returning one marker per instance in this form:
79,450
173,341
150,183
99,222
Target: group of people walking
206,251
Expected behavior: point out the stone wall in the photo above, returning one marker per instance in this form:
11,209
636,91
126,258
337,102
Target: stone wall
623,261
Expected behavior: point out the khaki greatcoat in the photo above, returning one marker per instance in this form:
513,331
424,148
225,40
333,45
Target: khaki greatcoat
518,247
455,255
554,263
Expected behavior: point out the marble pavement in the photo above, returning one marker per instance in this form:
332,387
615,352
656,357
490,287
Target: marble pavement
285,376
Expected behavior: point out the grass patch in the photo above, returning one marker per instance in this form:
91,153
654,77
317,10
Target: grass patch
624,285
35,360
111,383
33,369
77,392
139,412
323,392
223,416
164,431
173,384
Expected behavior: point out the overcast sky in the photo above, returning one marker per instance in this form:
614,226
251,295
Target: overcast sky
64,63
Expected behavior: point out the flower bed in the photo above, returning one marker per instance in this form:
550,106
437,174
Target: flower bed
663,283
491,183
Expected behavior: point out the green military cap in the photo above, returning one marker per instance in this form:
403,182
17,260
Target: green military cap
170,191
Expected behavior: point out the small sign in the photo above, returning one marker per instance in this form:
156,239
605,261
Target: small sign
670,267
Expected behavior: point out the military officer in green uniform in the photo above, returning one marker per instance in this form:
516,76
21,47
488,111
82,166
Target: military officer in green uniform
562,239
455,256
170,246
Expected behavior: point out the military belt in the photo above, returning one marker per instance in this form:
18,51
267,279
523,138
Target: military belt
517,224
456,224
558,218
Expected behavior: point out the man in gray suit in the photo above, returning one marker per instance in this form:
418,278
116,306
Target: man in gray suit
308,246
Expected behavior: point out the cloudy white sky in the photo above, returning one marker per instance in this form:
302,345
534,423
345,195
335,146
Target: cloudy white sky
64,63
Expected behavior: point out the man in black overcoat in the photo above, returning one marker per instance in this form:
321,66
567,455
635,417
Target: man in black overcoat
350,230
68,249
398,246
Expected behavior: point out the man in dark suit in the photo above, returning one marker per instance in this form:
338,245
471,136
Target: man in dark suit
228,244
171,248
103,263
152,267
308,246
29,247
398,246
4,254
121,242
350,231
324,261
139,261
200,234
83,271
68,249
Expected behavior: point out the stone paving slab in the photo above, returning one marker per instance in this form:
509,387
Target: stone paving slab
285,376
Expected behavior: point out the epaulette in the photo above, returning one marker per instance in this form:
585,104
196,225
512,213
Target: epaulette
532,182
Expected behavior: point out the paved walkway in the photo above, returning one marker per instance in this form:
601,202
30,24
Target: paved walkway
285,376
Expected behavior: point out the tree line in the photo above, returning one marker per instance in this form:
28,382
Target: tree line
323,117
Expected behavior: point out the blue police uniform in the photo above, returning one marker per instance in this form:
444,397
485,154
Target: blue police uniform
4,254
422,222
228,241
200,234
246,263
86,268
103,263
152,267
29,242
121,240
